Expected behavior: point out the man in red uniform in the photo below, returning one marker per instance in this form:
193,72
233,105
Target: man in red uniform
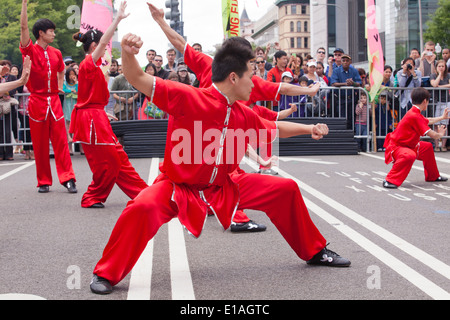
263,90
200,160
45,110
403,146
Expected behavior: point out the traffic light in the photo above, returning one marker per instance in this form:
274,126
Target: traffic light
173,15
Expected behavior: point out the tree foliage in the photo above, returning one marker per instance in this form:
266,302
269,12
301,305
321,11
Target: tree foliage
57,11
439,25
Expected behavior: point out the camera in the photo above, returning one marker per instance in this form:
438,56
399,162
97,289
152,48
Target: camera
409,67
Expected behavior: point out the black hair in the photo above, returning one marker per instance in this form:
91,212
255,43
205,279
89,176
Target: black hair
419,94
280,54
151,65
410,59
88,38
68,71
42,25
233,56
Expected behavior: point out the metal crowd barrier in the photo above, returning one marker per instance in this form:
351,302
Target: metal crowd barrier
382,115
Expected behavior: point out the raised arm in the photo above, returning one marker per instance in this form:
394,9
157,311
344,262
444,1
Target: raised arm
290,129
294,90
24,31
441,129
174,38
143,82
8,86
444,116
109,33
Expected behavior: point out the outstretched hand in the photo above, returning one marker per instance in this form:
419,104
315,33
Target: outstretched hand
445,115
131,43
314,88
122,15
156,13
318,131
26,70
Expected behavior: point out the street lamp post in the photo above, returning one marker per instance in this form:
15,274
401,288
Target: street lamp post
420,26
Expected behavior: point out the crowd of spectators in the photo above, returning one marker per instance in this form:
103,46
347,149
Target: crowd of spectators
333,71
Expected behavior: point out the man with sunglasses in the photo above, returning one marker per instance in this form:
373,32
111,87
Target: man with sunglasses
160,72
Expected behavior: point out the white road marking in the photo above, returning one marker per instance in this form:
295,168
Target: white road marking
411,275
10,173
307,160
141,275
414,167
180,275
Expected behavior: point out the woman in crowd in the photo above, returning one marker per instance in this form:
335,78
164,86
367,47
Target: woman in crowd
260,68
441,79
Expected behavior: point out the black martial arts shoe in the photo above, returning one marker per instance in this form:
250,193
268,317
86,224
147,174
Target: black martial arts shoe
97,205
44,188
329,258
70,185
270,172
441,179
249,226
388,185
100,285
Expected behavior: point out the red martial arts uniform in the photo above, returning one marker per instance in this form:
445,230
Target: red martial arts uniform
196,177
90,125
403,147
201,65
46,115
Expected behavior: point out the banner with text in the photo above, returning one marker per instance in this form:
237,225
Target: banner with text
98,14
230,18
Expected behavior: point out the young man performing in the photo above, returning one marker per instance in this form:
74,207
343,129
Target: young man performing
206,123
403,146
263,90
90,124
45,110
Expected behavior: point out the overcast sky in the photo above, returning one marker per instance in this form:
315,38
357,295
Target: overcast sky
202,22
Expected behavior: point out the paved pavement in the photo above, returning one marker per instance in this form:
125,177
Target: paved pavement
396,240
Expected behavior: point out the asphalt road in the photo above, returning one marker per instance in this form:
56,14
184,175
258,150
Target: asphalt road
397,240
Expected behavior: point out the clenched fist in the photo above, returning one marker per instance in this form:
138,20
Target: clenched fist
131,43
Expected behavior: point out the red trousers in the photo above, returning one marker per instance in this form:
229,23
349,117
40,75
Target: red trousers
279,198
404,159
110,165
55,131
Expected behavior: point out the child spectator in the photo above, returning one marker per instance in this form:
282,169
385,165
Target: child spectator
361,121
383,119
70,88
285,100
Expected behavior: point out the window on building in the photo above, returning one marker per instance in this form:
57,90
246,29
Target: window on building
299,42
306,43
292,42
303,9
294,9
305,28
299,26
292,26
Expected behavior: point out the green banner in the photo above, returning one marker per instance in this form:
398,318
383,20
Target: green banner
230,18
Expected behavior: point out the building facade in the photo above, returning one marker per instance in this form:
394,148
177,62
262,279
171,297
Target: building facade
338,23
287,23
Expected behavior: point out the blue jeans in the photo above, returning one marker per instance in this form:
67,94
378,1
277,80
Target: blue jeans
361,130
